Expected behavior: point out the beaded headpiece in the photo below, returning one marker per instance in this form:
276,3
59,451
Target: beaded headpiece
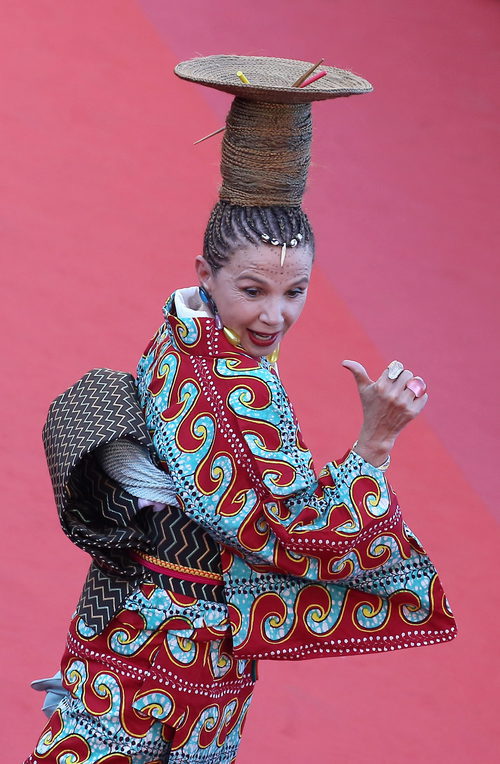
266,149
283,244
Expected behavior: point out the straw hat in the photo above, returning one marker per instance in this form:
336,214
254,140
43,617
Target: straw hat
271,79
266,149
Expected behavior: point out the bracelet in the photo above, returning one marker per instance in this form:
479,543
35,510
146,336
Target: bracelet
382,467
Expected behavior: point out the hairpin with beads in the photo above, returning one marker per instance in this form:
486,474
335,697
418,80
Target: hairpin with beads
283,244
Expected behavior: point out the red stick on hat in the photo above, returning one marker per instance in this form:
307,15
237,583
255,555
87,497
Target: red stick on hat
307,74
313,79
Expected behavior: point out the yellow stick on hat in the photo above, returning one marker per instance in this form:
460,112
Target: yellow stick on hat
243,78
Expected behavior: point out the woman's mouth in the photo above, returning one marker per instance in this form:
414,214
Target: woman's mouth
263,340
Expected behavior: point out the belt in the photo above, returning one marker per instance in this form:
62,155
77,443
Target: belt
177,571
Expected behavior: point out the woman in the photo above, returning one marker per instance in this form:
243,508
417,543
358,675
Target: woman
242,552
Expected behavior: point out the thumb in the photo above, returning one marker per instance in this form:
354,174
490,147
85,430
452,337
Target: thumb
359,373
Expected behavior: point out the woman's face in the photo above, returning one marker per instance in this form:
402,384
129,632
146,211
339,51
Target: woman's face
256,297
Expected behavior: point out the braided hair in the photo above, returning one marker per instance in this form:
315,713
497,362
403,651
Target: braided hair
231,226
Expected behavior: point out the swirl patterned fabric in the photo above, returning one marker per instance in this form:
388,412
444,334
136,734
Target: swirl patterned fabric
143,693
312,565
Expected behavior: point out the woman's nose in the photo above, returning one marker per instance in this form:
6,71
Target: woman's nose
272,314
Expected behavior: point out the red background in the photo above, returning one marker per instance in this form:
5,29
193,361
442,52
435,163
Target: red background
103,204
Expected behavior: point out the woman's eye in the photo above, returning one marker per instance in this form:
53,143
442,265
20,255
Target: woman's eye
295,292
251,292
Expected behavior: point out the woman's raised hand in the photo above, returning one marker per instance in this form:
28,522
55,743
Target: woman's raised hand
388,405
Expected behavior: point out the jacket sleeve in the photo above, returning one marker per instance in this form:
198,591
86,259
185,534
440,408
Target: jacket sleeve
334,525
225,430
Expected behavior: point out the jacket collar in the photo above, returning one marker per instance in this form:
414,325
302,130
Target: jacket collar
191,328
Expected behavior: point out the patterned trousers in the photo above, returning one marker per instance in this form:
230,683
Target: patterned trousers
140,696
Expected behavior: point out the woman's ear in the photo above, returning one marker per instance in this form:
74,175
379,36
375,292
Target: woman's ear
204,272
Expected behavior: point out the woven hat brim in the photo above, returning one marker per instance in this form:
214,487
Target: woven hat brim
271,79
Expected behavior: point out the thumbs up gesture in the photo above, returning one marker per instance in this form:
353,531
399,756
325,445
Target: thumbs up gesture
388,405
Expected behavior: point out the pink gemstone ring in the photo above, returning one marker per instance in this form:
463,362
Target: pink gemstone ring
417,386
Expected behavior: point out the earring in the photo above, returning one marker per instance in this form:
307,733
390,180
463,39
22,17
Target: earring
273,357
209,301
232,337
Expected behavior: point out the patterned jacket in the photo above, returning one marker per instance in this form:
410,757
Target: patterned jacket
310,566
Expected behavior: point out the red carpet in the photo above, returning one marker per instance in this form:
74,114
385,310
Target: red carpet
104,201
